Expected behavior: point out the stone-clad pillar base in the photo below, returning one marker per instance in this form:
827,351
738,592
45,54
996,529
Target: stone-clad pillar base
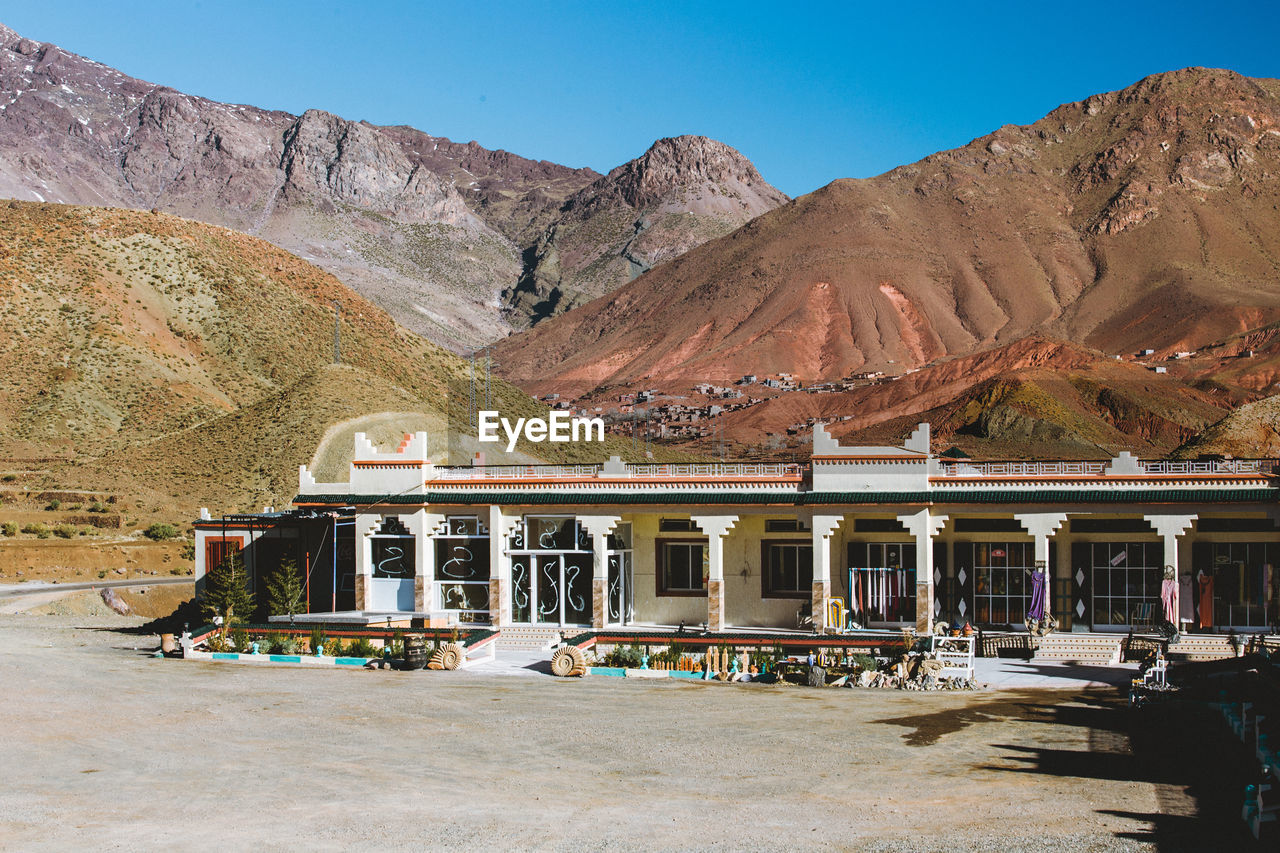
360,591
715,605
821,592
598,593
499,603
924,607
419,593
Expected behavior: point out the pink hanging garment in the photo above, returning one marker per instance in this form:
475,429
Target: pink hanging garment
1169,598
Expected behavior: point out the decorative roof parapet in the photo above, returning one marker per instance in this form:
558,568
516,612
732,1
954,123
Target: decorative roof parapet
400,471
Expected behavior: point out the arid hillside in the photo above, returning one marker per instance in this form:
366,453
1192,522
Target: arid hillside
440,234
180,363
1142,219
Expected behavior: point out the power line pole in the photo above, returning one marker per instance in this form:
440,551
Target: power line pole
471,402
488,378
337,327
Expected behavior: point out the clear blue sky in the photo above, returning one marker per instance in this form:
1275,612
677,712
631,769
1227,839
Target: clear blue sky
809,94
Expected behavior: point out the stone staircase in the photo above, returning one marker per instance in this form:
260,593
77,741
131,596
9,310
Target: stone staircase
1068,647
532,638
1197,647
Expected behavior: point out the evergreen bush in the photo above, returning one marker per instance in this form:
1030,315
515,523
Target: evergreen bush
285,590
226,592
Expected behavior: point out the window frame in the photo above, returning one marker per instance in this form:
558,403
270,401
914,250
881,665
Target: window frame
660,569
766,588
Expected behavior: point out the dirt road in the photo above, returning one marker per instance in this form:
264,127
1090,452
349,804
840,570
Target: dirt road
110,748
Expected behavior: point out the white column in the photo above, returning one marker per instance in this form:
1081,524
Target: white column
425,581
366,523
1042,525
1169,528
599,526
823,527
716,527
924,527
500,526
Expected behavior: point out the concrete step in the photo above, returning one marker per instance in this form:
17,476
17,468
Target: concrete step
1103,649
1200,647
531,637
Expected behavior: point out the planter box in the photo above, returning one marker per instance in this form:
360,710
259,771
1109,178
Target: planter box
308,660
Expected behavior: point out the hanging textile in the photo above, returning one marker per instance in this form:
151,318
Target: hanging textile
1036,611
1206,599
1169,598
1186,600
876,592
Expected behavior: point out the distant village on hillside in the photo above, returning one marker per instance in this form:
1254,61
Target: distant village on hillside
690,415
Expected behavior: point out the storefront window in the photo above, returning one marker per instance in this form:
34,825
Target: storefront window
1126,581
682,567
787,569
391,549
882,581
1240,579
462,569
1002,581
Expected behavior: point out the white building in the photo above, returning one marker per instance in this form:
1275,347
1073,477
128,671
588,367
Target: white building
901,536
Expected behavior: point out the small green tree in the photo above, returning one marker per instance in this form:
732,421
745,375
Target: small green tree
226,592
285,591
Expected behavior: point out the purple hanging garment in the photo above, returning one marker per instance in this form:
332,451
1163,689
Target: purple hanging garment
1036,610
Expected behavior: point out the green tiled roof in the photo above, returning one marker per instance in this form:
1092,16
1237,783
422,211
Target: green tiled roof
508,498
938,496
1145,495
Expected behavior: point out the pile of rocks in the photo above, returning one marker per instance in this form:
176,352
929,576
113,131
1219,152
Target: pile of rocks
911,672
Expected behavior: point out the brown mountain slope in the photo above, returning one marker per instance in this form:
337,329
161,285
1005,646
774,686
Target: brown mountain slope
178,362
344,194
1141,218
434,231
677,195
1031,398
1251,430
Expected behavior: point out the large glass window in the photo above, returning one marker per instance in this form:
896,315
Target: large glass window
1126,581
1241,580
682,567
1002,581
462,569
882,581
787,569
391,549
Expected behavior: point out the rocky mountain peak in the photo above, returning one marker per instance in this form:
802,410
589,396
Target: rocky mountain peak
682,192
358,164
675,167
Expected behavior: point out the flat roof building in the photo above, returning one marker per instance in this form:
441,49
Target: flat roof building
902,537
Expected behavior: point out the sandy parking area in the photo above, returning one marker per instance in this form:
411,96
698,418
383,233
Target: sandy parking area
108,748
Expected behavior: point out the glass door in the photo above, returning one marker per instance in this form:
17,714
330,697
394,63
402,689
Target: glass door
551,571
549,582
521,588
620,604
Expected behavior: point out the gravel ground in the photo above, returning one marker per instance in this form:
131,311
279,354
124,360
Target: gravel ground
108,747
